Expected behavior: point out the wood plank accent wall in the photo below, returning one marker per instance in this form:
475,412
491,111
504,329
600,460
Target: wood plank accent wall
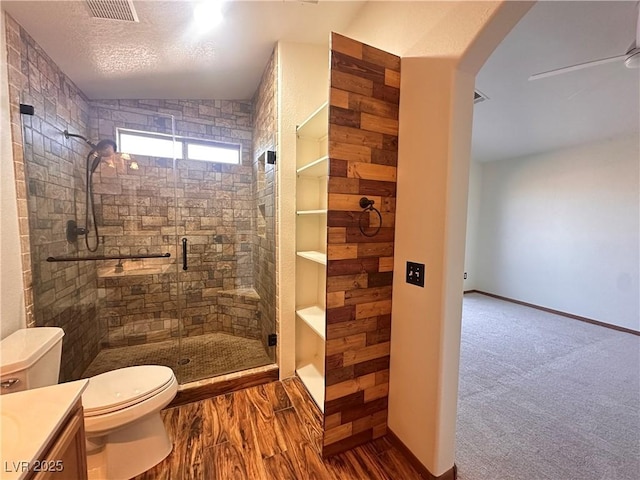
363,156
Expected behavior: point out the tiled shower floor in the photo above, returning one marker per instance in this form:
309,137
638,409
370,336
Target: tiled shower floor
209,355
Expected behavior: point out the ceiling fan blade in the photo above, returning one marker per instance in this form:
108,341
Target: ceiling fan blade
573,68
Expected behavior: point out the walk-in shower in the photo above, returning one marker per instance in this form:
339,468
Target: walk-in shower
125,292
111,268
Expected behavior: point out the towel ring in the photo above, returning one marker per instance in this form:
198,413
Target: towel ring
368,207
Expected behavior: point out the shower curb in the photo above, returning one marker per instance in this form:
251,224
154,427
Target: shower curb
212,387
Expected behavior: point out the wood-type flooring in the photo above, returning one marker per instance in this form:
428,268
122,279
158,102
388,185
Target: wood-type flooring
267,432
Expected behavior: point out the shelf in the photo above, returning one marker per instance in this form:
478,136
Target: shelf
317,168
311,212
314,317
312,175
317,257
314,381
316,125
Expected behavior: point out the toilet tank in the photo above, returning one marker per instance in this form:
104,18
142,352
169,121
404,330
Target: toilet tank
30,358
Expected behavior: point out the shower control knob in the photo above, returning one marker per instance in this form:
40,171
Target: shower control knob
73,231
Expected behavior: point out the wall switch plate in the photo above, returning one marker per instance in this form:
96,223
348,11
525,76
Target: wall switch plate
415,273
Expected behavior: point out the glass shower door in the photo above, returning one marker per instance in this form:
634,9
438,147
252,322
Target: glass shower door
216,212
135,204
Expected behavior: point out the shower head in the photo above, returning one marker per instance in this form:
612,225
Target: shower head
106,148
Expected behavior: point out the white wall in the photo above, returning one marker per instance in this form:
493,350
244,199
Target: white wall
12,313
425,330
561,230
473,218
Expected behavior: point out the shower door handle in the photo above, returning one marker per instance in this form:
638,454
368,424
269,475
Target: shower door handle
184,253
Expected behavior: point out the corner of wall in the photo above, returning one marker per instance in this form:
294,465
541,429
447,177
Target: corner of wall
12,304
473,218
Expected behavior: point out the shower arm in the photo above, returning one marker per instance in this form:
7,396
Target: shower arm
75,135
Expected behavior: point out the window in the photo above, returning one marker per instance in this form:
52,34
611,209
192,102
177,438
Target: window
213,152
161,145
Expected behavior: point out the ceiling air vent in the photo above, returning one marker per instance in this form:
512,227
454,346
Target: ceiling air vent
113,9
479,97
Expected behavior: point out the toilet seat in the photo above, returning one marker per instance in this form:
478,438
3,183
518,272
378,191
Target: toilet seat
112,412
124,387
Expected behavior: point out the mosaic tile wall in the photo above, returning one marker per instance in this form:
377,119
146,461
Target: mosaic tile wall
50,180
264,253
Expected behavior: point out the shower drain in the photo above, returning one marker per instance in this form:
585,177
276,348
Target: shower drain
184,361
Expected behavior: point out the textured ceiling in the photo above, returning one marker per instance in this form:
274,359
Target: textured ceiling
161,57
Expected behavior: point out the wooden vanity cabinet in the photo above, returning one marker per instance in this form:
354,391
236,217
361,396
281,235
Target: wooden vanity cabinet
67,450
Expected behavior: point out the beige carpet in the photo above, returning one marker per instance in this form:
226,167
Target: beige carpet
199,357
545,397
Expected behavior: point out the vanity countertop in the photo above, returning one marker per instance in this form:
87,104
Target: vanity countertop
29,420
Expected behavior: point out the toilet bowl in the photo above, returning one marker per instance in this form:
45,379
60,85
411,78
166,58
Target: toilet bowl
124,432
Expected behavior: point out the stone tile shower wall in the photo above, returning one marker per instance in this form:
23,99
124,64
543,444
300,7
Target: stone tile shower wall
264,252
215,211
232,251
50,189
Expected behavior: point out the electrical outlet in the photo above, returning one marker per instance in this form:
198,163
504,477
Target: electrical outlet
465,275
415,273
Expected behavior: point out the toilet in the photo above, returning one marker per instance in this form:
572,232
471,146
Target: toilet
125,435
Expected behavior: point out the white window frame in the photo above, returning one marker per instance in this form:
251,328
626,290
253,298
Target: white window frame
182,145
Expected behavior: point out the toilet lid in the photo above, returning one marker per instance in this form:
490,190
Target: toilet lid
121,388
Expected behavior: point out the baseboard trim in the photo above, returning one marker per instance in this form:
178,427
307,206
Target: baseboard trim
558,312
451,474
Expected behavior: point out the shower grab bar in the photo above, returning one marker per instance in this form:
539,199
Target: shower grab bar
108,257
